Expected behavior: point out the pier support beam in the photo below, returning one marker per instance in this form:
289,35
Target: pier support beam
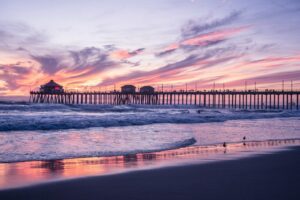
211,99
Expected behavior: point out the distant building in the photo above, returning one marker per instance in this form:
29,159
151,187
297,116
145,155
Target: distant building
128,89
51,87
147,89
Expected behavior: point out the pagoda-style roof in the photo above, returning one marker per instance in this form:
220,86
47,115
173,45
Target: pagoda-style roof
51,83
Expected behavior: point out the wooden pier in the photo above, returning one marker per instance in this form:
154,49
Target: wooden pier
268,99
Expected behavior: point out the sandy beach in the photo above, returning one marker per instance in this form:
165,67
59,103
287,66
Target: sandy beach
268,176
150,100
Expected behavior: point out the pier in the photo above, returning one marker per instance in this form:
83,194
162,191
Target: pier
251,99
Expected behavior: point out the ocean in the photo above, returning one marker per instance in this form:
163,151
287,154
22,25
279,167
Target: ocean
31,132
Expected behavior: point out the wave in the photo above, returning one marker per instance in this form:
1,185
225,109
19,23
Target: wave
27,107
56,117
5,102
55,155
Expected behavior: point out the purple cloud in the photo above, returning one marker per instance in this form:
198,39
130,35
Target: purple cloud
193,27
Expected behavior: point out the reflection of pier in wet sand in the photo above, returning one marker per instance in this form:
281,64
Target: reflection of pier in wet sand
24,173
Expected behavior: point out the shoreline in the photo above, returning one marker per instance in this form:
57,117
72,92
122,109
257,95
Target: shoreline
192,145
264,176
35,173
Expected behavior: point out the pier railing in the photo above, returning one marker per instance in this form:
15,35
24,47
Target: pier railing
268,99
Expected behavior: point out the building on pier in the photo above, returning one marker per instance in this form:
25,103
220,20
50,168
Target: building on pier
147,89
52,88
211,99
128,89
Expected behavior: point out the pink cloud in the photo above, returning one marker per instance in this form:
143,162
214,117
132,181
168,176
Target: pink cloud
268,63
172,47
206,39
198,70
272,78
122,54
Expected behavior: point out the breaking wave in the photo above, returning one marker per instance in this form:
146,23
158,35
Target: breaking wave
12,156
22,116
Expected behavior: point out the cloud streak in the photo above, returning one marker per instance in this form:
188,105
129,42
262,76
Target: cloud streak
203,40
271,78
122,54
14,76
202,50
176,71
193,27
18,35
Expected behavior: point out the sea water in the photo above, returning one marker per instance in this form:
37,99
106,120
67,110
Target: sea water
47,132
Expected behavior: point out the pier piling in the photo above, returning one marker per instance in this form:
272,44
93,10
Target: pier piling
269,99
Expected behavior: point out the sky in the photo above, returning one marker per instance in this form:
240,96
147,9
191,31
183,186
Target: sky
101,45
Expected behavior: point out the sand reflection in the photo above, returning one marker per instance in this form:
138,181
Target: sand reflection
26,173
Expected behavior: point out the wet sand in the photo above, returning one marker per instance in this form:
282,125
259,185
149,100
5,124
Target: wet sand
269,176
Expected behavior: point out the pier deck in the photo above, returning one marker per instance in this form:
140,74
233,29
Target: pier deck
269,99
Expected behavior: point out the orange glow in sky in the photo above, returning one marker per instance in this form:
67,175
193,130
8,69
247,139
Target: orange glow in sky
187,43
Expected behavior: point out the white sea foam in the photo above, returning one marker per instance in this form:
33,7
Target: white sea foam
45,132
55,117
49,145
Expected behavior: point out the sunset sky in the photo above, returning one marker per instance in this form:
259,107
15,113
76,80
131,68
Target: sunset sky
98,44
